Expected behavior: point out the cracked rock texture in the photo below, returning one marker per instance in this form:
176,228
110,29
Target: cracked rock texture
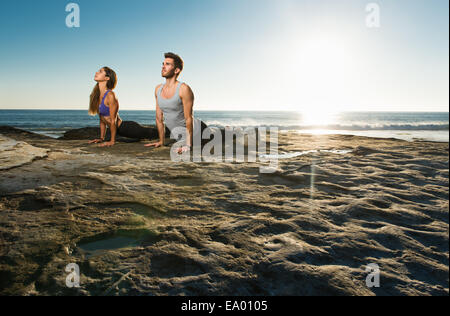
137,223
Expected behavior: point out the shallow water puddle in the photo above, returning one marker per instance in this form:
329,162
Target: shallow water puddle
120,239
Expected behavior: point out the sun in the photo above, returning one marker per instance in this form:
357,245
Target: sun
324,76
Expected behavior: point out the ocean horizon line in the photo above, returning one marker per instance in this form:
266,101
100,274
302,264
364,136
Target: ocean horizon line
249,111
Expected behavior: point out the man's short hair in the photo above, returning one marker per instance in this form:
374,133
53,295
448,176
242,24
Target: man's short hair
179,63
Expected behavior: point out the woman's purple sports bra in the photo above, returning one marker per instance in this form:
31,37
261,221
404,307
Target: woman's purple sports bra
104,110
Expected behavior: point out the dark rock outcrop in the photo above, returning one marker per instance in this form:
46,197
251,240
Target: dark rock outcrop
86,133
17,133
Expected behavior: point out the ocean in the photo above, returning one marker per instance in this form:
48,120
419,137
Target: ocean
431,126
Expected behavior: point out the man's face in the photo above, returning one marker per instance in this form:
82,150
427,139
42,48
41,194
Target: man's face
168,68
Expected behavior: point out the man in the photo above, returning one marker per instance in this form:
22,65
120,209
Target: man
174,104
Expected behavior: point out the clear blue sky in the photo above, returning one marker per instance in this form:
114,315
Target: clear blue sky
239,54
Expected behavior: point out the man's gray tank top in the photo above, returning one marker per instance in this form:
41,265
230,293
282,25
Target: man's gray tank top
172,109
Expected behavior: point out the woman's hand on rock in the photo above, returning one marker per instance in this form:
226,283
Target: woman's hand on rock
155,145
96,141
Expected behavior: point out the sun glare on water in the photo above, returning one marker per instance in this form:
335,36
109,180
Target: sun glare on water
318,118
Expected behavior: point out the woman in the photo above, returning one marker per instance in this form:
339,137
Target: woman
103,102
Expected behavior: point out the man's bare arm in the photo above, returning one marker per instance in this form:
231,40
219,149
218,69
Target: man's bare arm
187,97
160,124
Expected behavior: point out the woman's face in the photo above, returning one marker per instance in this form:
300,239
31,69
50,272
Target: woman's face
100,76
